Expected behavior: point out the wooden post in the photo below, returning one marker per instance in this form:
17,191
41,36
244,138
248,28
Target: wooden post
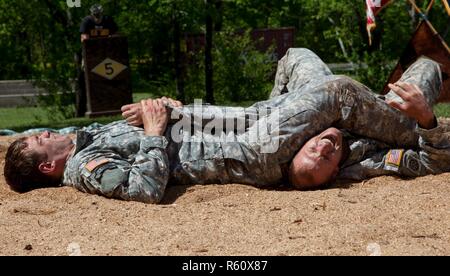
208,53
428,23
430,5
178,59
107,73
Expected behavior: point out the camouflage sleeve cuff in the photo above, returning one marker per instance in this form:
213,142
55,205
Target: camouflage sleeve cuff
151,142
430,134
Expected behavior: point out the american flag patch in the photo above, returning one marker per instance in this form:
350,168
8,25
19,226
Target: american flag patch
394,157
95,163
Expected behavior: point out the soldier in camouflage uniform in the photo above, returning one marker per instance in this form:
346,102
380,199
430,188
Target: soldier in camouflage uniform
121,161
369,157
301,70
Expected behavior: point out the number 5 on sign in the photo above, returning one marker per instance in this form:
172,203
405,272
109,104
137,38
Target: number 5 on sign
109,68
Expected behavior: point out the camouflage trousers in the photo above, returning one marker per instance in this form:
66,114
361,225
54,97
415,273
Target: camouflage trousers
301,69
310,99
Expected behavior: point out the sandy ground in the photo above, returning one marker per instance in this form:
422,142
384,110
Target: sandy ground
381,216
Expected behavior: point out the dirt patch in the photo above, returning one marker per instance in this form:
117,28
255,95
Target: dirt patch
384,215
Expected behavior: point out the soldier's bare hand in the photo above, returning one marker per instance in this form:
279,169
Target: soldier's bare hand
172,102
415,104
154,117
132,113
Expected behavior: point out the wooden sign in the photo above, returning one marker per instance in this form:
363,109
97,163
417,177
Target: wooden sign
107,72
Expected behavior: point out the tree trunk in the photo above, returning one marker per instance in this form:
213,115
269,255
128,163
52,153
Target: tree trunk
178,60
412,14
208,55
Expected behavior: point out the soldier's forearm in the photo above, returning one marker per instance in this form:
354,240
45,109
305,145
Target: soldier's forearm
149,173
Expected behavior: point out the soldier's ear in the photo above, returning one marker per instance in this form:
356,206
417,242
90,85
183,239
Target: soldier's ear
47,167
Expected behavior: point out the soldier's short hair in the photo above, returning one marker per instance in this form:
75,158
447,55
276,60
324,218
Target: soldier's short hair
21,168
302,179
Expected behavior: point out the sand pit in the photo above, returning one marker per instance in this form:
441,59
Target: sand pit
381,216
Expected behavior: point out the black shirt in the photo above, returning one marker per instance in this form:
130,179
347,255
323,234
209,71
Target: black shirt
105,28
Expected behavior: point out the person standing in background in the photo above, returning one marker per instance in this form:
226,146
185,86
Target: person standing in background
95,25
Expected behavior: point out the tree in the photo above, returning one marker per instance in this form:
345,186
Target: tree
38,40
208,49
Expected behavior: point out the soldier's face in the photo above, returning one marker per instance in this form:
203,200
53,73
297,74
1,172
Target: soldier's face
51,144
317,162
98,18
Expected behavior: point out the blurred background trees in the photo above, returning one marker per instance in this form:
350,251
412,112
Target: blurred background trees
38,40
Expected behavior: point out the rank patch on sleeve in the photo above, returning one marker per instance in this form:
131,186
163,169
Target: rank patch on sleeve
394,159
91,165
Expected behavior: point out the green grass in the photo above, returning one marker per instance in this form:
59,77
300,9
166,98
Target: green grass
442,110
141,96
23,118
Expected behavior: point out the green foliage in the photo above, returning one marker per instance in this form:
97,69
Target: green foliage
195,80
59,101
373,70
24,118
442,110
38,39
241,72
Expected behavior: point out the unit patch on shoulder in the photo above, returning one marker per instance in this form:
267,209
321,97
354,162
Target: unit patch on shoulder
91,165
394,159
